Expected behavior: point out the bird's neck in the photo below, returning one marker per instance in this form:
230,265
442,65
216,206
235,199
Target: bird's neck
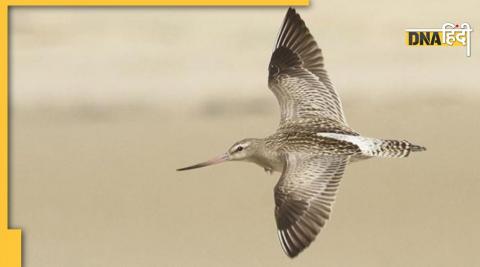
267,159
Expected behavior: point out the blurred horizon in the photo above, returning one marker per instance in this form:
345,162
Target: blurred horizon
104,55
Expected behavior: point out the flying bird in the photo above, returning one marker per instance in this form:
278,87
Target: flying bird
313,143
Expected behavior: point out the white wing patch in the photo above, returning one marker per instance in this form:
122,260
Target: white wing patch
367,145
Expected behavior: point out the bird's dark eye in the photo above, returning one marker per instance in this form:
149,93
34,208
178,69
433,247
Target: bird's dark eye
239,148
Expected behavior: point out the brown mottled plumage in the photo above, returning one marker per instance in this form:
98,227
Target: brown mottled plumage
313,143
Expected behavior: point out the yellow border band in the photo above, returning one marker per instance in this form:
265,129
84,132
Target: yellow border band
160,3
10,239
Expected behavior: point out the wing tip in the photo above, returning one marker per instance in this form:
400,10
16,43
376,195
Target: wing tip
292,12
295,238
292,23
291,253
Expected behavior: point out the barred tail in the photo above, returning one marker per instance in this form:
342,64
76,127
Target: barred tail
393,148
373,147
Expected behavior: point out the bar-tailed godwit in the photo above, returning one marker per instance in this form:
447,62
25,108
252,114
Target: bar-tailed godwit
313,143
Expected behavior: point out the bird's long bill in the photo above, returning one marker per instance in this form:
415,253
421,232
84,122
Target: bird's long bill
216,160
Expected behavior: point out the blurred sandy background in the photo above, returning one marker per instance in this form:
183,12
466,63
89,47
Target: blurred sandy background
107,102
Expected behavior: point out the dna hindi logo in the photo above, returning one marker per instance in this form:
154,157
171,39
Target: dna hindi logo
449,35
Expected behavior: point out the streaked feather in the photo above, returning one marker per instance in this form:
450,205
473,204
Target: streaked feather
304,196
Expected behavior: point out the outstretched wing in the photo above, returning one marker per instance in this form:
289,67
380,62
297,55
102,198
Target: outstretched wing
297,75
304,196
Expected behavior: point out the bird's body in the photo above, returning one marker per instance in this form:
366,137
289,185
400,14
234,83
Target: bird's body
301,135
313,143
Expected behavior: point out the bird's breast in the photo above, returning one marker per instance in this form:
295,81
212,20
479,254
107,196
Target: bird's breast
270,161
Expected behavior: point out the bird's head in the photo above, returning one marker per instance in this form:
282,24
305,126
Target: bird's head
241,150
